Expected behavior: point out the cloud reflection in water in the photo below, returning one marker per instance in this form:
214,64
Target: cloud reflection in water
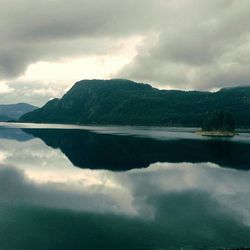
166,204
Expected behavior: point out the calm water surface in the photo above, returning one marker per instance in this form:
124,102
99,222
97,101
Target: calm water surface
79,187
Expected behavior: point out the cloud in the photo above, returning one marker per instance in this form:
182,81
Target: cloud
35,92
181,44
5,89
205,45
51,30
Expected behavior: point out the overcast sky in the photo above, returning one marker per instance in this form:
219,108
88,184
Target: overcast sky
48,45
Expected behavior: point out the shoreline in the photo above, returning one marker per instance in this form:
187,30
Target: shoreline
217,133
192,129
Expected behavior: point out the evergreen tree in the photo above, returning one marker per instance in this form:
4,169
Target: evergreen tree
218,121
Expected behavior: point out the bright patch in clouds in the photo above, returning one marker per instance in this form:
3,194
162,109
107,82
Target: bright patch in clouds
5,89
76,69
68,70
45,80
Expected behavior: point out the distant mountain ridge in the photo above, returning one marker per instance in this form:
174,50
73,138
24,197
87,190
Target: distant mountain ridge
4,118
14,111
124,102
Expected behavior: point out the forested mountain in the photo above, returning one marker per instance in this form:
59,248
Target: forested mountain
14,111
125,102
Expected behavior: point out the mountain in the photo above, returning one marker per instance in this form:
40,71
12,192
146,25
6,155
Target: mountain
14,111
125,102
4,118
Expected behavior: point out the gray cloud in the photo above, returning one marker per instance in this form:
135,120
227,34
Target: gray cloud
207,46
55,29
187,44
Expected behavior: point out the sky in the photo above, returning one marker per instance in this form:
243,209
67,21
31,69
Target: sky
46,46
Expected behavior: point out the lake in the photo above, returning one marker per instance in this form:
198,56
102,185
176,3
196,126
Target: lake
108,187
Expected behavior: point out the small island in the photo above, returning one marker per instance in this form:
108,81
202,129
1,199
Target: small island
218,124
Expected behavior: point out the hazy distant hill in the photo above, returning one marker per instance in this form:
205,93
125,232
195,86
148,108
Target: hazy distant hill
4,118
14,111
126,102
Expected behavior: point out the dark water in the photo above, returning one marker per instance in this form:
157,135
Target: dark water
71,187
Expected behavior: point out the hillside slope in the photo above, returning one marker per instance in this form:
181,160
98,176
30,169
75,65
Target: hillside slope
126,102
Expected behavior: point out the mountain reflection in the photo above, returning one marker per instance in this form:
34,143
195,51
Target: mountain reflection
14,134
45,203
115,152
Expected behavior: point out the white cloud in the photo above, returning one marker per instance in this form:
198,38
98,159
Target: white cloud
5,89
